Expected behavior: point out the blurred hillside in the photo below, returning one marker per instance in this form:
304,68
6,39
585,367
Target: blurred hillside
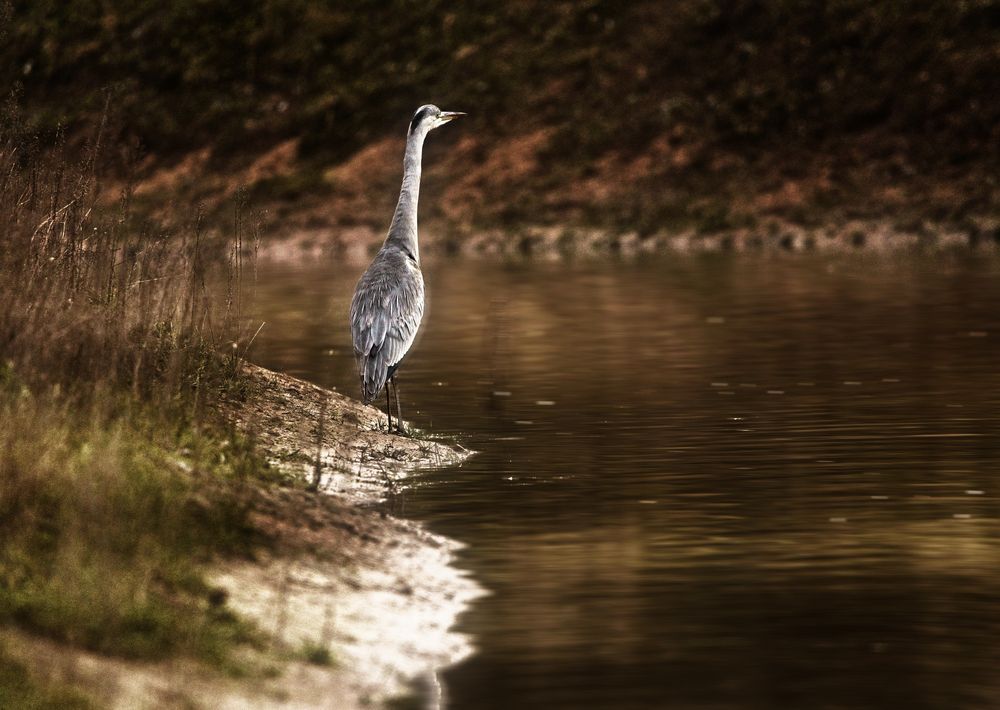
703,114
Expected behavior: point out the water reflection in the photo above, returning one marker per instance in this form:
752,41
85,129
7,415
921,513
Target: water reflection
704,482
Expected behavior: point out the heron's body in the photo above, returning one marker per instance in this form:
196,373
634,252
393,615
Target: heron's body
386,311
388,301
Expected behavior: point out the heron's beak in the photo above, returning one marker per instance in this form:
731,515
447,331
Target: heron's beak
446,116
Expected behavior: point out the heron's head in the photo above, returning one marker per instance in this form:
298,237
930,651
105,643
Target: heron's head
429,117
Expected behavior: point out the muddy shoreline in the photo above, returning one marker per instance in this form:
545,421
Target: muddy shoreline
379,593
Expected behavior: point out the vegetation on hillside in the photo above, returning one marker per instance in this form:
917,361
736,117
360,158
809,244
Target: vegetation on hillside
722,98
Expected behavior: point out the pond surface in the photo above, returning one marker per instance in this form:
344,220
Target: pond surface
704,482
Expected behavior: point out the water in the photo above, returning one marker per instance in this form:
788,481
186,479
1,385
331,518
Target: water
704,482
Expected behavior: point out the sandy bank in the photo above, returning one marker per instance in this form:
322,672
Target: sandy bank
354,606
380,593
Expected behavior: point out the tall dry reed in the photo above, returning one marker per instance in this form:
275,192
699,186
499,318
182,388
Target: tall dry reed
116,484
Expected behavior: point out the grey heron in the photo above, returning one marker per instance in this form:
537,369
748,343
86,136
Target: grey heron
388,301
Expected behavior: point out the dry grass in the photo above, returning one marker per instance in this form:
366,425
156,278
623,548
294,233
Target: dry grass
103,301
116,484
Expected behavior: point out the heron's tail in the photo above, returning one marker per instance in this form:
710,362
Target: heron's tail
373,376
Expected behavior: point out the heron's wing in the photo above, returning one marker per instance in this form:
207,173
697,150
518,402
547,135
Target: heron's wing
385,315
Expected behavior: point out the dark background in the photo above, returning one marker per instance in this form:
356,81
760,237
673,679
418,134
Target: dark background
628,114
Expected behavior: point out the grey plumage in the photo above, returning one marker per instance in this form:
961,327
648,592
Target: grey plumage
385,315
388,301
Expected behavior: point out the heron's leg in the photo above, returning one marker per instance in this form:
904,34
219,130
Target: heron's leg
399,413
388,411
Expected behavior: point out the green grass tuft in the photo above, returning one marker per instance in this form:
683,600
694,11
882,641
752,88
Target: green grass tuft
316,653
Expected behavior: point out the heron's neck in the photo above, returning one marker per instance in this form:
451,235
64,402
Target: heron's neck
403,230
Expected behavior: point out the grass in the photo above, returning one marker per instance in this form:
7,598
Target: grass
107,518
118,483
316,653
20,690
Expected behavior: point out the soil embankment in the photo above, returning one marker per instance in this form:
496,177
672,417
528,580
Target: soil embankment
355,605
381,594
633,126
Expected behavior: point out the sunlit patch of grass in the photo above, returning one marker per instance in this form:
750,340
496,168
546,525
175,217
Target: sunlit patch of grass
107,520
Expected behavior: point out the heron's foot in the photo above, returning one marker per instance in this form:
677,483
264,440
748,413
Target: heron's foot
401,430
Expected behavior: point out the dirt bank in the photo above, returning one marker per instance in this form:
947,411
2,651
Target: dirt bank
354,606
503,197
380,593
616,117
869,235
